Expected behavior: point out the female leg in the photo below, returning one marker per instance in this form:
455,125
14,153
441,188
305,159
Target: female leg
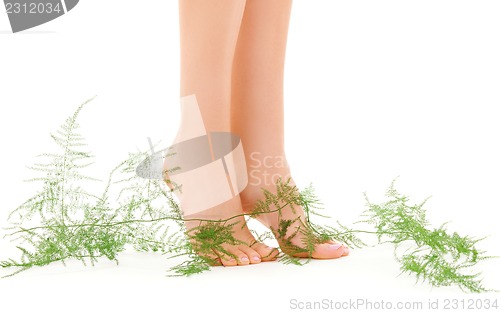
257,112
208,35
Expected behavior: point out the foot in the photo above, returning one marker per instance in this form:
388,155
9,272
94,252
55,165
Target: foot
195,169
224,240
289,226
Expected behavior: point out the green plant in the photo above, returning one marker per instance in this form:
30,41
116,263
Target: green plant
65,221
431,254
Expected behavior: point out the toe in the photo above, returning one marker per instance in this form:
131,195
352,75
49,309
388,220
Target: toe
253,256
228,260
346,251
328,251
346,248
266,253
216,262
243,259
234,256
213,258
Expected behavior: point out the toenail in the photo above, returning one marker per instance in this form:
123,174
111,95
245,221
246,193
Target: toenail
335,246
244,259
256,258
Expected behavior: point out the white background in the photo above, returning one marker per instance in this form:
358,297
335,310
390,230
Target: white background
373,90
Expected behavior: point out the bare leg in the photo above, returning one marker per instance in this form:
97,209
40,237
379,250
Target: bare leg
257,108
208,35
